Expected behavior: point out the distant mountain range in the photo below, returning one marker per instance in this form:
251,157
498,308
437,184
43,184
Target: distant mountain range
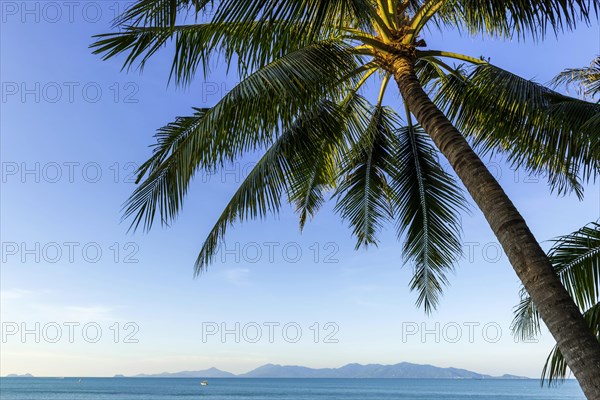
205,373
401,370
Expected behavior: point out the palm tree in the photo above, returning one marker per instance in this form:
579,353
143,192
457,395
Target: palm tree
301,65
576,260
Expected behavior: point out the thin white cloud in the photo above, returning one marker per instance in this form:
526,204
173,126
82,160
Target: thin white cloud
238,276
14,294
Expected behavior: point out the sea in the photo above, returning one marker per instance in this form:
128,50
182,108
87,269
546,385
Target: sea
268,389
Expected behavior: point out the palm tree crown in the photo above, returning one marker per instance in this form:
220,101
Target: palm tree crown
302,64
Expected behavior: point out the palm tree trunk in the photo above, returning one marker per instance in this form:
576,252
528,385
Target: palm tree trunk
579,346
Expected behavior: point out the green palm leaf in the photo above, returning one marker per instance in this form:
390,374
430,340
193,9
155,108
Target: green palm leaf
532,124
263,189
312,174
363,193
247,117
315,172
516,18
253,44
576,258
161,13
168,175
313,17
428,202
526,322
586,80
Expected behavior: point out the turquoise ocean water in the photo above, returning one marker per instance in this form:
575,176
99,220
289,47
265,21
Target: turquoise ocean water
264,389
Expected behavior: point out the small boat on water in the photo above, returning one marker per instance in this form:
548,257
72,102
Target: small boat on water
204,383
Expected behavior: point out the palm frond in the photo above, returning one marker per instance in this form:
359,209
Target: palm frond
575,113
586,80
265,186
555,368
313,17
166,184
315,172
516,18
428,72
160,13
526,322
253,45
247,117
576,259
530,123
363,195
428,202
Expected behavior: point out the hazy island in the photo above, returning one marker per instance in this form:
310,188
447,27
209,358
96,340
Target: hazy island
401,370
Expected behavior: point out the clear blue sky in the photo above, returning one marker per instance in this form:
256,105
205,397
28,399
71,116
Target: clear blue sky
65,112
